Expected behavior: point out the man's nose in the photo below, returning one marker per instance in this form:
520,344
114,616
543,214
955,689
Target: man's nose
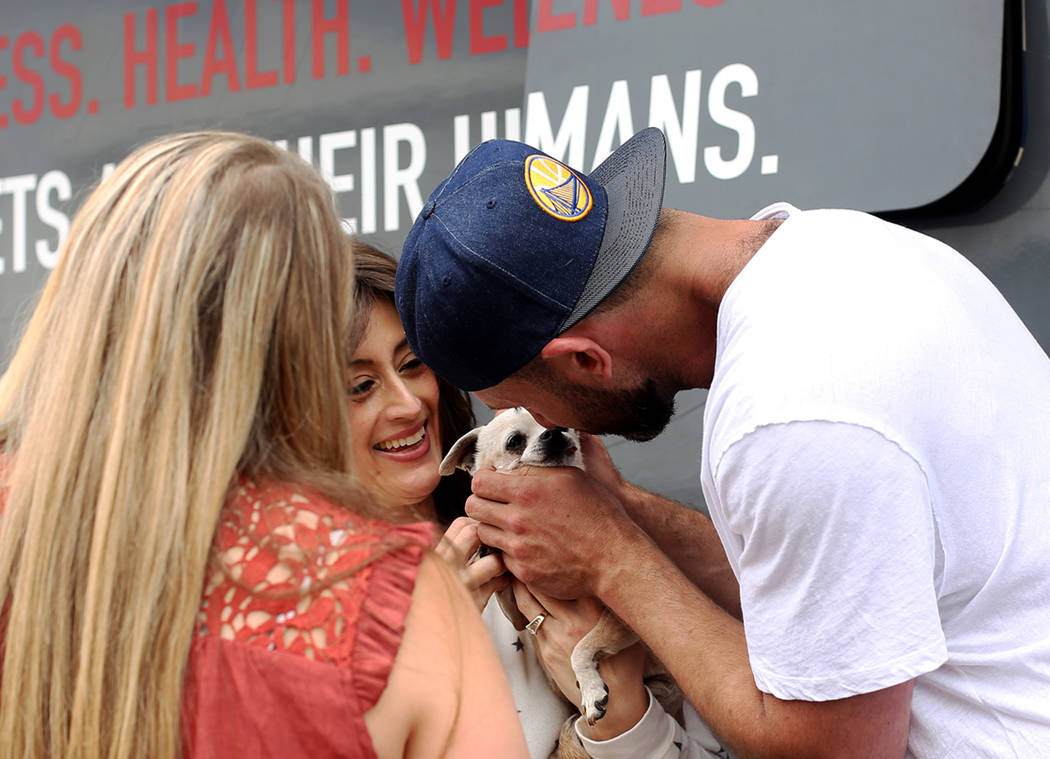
544,420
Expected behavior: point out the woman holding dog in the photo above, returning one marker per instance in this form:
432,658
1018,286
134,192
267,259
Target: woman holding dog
404,419
186,565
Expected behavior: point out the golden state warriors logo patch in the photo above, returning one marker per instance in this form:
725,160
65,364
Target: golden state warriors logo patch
556,188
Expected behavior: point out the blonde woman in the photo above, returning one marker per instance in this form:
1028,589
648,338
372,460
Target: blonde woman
186,568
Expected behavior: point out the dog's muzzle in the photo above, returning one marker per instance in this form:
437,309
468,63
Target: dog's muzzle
556,442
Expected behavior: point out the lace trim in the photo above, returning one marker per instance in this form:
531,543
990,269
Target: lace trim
293,572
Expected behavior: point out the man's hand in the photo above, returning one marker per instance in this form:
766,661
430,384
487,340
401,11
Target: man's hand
554,524
600,464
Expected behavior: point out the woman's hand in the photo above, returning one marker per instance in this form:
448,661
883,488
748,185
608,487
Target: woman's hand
564,624
483,575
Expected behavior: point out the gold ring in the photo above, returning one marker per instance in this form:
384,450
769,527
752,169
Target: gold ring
534,625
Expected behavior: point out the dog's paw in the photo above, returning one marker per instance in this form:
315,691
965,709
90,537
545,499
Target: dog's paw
594,696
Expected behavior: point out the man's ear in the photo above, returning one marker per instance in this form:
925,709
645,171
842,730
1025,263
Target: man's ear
580,355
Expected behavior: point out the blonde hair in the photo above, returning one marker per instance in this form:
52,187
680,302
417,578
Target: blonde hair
193,330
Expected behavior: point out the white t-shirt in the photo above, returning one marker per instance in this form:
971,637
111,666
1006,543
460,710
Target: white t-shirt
876,460
542,711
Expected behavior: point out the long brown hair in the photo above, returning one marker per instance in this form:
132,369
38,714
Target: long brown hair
374,276
193,330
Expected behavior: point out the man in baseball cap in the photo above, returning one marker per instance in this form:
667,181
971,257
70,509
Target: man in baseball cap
871,397
514,236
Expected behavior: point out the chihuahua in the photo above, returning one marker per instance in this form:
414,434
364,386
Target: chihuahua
512,439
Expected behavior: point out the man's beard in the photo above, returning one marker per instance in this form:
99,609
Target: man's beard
638,414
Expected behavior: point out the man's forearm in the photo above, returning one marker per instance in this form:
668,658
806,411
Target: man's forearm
697,640
705,650
689,538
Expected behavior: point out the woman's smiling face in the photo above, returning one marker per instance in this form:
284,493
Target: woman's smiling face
394,417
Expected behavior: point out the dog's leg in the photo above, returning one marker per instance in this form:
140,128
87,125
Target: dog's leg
607,637
664,689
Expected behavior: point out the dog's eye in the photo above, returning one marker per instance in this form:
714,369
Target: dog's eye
516,443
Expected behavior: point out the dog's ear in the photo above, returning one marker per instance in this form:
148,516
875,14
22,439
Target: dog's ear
462,455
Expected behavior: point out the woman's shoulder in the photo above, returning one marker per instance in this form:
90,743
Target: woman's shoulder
272,523
292,571
267,508
303,611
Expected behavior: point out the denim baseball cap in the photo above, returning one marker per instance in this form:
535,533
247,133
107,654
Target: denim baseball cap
514,247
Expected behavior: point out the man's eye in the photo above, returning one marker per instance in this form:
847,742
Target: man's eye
516,443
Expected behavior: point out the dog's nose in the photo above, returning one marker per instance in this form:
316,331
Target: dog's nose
555,441
549,433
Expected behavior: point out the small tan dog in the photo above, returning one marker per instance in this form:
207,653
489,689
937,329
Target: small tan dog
512,439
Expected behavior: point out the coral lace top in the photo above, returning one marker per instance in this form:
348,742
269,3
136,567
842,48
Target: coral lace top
300,621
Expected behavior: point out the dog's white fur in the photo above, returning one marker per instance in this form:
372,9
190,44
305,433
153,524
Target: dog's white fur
514,438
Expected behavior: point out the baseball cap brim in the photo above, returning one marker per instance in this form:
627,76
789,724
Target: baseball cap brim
633,178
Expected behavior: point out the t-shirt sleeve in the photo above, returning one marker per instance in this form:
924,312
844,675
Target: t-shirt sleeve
839,559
